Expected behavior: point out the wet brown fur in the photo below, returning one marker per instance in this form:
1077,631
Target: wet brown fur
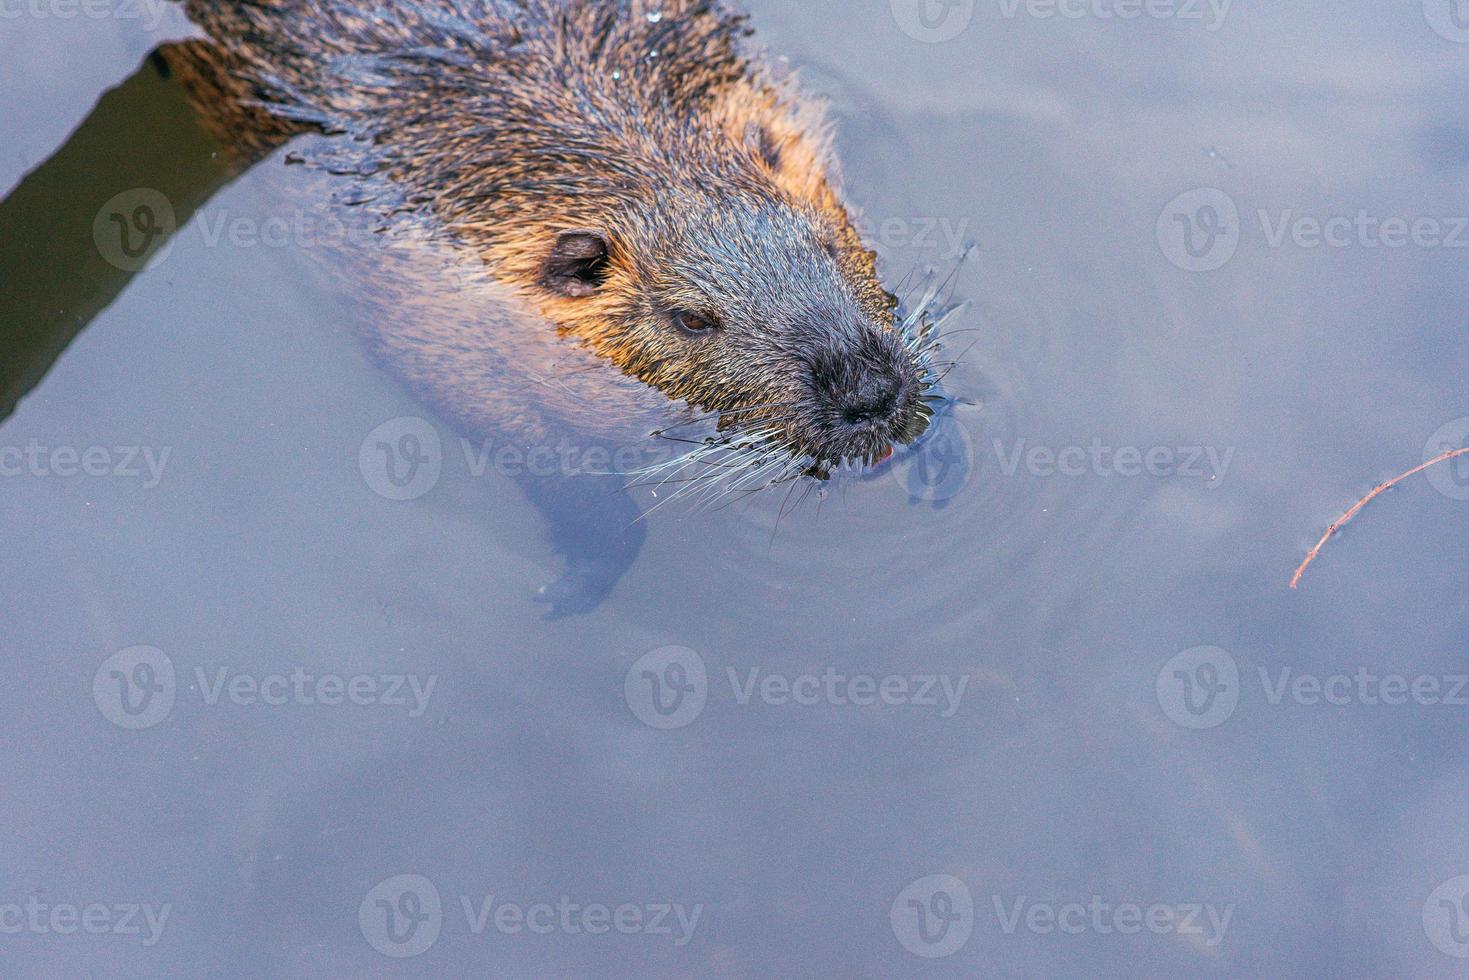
508,122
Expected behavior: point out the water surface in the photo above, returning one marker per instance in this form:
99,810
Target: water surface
1161,426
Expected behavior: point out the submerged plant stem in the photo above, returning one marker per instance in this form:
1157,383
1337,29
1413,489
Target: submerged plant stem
1341,521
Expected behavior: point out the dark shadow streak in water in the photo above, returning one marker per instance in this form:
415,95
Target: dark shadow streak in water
54,279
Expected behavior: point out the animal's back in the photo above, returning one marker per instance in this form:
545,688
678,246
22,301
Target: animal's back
328,61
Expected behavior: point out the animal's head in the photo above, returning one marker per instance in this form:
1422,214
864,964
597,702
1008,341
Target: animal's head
688,229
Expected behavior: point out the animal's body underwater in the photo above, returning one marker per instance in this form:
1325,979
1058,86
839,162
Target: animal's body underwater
587,211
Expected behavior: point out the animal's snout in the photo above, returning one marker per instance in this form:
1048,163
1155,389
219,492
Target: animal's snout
872,397
862,394
863,385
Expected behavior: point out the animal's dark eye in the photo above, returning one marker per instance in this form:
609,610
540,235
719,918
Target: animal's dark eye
694,325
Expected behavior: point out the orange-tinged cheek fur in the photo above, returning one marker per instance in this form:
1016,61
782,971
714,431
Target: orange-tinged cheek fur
590,318
612,322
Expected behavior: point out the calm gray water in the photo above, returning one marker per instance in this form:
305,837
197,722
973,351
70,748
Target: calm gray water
1218,295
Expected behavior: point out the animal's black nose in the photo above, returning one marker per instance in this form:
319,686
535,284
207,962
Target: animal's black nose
872,397
861,389
856,394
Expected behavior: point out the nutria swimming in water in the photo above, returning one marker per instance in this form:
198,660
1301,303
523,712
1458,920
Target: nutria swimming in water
624,169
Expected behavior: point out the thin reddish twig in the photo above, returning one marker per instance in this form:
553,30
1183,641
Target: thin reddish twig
1341,521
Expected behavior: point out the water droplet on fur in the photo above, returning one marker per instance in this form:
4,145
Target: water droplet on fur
617,76
655,16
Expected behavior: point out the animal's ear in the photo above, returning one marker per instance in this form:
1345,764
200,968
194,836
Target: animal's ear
763,141
577,265
788,135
